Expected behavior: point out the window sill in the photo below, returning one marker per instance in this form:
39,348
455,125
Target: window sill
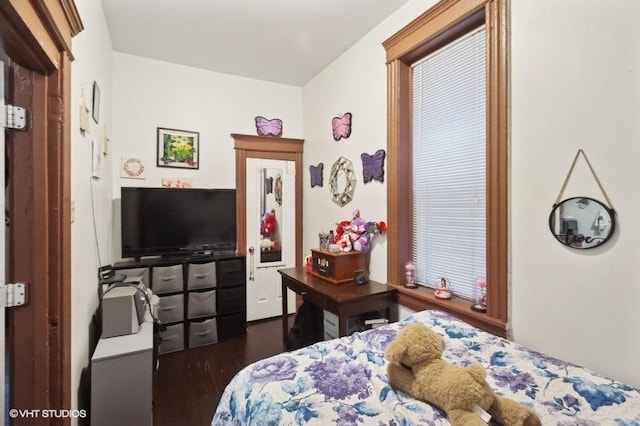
422,298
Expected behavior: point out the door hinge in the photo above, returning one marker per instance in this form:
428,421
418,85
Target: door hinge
14,294
13,117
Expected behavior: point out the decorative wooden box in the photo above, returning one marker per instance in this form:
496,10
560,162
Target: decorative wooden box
337,268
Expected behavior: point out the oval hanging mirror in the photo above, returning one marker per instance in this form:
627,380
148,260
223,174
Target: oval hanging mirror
582,222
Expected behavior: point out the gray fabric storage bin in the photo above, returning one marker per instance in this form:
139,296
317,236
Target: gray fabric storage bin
202,303
202,333
171,308
201,275
166,279
172,339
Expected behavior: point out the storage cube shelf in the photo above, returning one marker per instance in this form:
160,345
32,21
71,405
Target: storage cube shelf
202,299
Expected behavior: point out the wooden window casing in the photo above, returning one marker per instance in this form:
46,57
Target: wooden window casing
443,23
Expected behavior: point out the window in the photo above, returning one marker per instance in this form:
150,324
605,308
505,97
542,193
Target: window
446,26
448,152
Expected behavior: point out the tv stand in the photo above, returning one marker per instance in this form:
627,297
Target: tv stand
202,295
219,253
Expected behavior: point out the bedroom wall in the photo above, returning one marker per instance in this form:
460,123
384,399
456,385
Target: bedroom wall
573,85
91,228
144,94
149,94
356,82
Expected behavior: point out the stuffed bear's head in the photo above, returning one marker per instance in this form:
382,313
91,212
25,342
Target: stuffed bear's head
340,230
359,225
345,243
415,344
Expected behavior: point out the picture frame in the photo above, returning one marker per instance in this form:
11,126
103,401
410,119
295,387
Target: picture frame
95,103
133,168
179,149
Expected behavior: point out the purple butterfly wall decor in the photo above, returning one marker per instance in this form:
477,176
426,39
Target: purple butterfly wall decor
316,174
341,126
373,166
266,127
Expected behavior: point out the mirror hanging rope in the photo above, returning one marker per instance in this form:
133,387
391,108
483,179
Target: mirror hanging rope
582,222
595,176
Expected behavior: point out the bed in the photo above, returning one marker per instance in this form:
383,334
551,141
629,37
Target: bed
344,381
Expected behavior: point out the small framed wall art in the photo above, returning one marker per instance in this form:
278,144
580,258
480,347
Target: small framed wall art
178,148
132,168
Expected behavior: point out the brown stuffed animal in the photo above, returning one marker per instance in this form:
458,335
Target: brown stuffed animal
416,368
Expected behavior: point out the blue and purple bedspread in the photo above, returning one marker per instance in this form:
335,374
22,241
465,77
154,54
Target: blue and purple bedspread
344,382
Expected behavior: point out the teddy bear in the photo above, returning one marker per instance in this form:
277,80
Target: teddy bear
340,231
269,224
416,367
362,243
345,243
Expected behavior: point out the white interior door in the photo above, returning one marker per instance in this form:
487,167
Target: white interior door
271,238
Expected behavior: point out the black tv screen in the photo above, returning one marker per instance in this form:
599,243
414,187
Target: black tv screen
169,221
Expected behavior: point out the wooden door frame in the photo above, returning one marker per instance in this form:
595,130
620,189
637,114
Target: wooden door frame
251,146
37,38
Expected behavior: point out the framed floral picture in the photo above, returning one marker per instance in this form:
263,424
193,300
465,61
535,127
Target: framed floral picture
133,168
178,148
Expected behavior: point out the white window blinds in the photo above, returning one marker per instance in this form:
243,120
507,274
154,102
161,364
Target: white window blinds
449,158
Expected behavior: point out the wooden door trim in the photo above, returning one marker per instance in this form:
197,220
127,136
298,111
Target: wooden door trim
37,37
251,146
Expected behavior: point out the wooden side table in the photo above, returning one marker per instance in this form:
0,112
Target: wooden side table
343,300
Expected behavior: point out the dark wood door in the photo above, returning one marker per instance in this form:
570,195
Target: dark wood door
35,40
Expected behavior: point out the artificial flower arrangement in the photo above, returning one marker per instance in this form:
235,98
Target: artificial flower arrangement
357,234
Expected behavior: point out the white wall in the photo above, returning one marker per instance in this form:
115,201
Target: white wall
574,85
149,94
92,198
357,83
573,69
144,94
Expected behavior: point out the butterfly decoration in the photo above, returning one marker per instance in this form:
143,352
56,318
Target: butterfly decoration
373,166
341,126
266,127
316,174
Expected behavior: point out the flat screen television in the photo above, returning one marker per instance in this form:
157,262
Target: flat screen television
175,221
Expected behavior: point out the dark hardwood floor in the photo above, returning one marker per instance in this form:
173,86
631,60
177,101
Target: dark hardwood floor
188,384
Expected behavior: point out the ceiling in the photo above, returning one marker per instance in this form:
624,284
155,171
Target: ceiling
283,41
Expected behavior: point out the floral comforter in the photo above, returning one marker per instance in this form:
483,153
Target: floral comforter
344,381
